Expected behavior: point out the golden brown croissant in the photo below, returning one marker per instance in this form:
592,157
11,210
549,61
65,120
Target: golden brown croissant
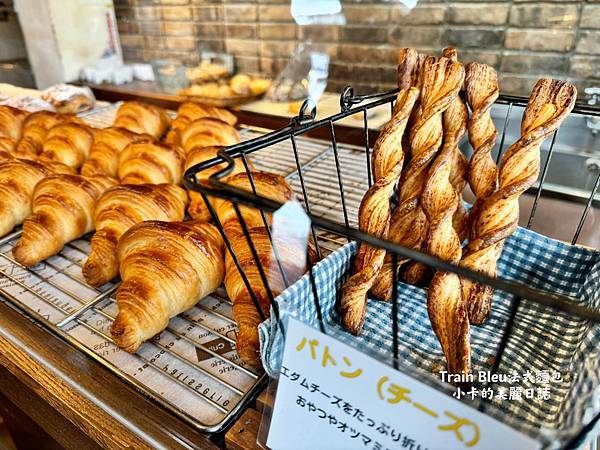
18,178
481,84
120,208
63,210
142,118
498,215
440,82
166,267
197,208
455,302
5,155
68,143
375,211
35,127
11,122
151,162
7,145
268,185
245,313
207,133
440,200
190,111
104,153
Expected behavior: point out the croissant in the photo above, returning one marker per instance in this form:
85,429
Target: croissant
7,145
68,143
440,82
268,185
454,302
5,155
142,118
190,111
63,210
374,212
120,208
104,153
197,208
439,199
481,84
498,215
245,313
11,122
18,178
35,127
151,162
207,133
166,267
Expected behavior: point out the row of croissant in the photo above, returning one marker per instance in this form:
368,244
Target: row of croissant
417,156
129,193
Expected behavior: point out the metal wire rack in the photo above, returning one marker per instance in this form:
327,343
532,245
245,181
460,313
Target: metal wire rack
331,184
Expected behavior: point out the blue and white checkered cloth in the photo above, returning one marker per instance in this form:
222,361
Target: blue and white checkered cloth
541,339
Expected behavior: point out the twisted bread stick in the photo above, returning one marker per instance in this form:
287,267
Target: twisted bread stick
498,215
374,213
440,199
481,84
441,80
452,301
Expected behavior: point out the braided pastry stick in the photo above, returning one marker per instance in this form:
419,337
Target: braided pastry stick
440,200
450,298
498,215
441,80
375,212
481,84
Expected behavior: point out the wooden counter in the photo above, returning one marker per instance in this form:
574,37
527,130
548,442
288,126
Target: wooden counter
77,402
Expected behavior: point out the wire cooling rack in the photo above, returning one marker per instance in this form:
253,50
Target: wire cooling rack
191,368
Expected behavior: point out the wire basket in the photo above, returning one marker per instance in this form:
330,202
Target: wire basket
335,222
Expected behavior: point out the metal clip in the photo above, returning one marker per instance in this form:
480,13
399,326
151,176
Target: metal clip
303,117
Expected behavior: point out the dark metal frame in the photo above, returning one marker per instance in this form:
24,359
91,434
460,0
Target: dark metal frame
351,104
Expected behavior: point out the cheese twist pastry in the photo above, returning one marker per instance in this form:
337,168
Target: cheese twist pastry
63,210
18,178
68,143
498,215
151,162
453,302
375,212
481,84
440,81
440,199
106,148
166,267
118,210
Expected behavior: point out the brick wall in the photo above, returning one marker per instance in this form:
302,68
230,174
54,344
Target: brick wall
522,39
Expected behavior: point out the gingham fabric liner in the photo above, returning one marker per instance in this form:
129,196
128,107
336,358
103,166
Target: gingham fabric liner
542,338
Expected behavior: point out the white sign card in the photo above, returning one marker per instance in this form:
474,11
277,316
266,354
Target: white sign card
331,396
